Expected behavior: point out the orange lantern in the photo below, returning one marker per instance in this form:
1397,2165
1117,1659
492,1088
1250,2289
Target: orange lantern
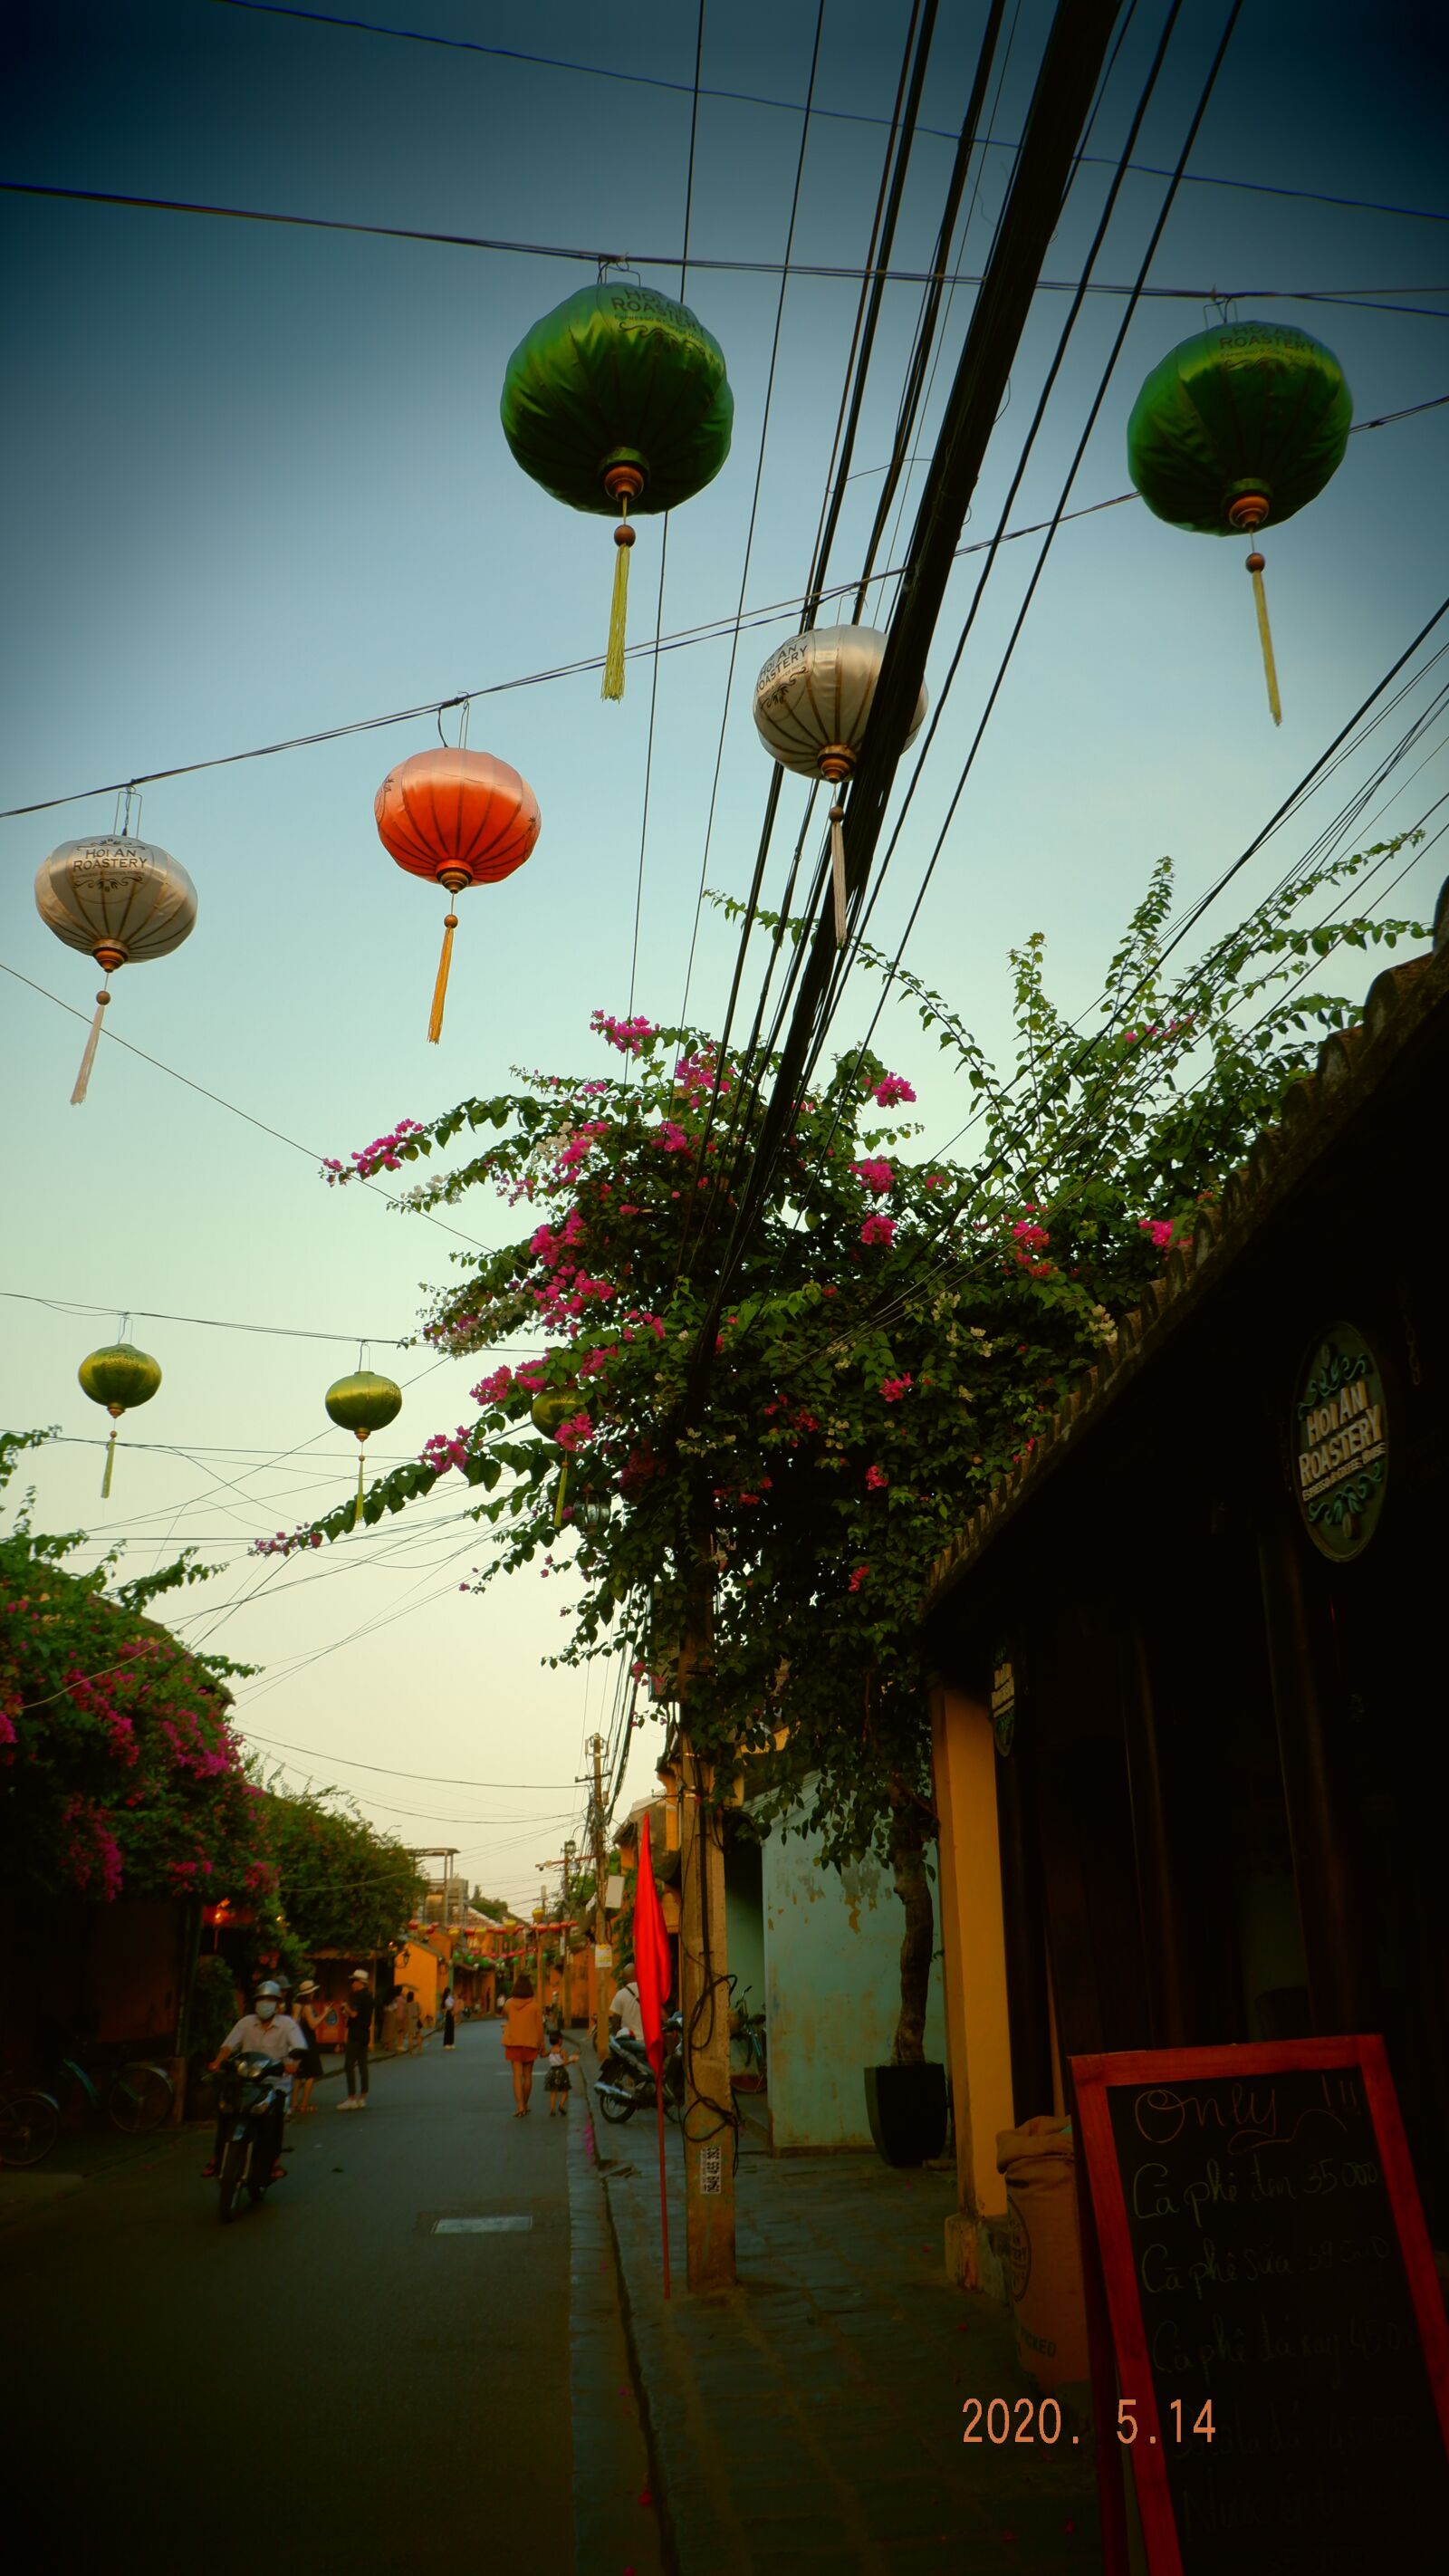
461,818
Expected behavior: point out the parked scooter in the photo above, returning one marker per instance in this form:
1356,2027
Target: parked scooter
248,2095
626,2078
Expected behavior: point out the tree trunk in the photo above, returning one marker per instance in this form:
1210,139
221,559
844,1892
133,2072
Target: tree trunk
918,1940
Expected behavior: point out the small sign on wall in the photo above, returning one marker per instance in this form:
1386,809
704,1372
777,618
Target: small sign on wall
711,2171
1341,1443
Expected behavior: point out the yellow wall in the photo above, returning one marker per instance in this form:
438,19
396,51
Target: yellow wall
974,1941
422,1969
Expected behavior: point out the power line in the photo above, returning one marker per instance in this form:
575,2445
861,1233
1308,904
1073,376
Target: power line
684,638
1356,298
789,106
235,1111
1066,83
425,1779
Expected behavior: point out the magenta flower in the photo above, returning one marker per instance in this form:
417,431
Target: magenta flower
1030,1235
893,1388
572,1434
878,1229
876,1174
627,1035
876,1479
892,1089
858,1577
1158,1227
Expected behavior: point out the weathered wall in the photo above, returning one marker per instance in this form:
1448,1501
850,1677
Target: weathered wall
832,1987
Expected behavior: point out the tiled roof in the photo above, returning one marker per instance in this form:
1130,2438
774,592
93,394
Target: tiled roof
1350,1065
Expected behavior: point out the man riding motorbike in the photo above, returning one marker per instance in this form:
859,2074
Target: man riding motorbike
267,2032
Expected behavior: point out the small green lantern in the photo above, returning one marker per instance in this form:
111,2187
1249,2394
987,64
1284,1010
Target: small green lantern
1235,428
547,1412
363,1403
120,1377
618,399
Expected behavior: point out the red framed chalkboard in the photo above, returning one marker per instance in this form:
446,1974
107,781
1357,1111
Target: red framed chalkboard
1269,2341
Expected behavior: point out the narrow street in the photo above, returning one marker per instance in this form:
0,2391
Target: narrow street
326,2372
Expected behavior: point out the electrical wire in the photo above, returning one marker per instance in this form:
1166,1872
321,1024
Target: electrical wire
235,1111
729,1182
1360,299
789,106
684,638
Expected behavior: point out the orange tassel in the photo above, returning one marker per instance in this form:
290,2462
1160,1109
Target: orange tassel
440,989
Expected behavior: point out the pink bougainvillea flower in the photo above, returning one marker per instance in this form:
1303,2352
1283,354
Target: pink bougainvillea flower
1158,1227
891,1089
876,1173
893,1388
1029,1234
571,1435
627,1035
878,1229
876,1479
858,1577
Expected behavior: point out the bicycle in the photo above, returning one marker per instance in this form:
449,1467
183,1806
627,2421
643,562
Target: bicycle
137,2097
749,2028
29,2126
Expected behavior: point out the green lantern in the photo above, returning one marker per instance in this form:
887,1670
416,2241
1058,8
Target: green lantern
363,1403
618,400
120,1377
1236,428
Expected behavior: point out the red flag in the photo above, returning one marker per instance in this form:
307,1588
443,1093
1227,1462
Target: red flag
651,1953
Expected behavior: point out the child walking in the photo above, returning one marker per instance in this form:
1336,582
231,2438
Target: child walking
556,2082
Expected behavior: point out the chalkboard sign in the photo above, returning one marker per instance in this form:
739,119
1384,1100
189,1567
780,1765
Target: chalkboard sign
1278,2367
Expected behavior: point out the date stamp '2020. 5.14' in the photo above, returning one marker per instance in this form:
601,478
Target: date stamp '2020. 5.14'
1039,2419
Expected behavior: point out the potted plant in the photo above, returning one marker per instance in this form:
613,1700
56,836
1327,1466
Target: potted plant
906,2099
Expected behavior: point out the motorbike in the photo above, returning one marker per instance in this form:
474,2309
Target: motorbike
626,2079
248,2094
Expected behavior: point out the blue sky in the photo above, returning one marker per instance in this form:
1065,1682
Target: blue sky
255,486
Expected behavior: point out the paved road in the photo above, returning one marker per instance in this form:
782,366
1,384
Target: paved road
392,2391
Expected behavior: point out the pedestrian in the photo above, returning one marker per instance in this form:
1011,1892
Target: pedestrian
359,2033
626,2008
309,2020
450,2018
522,2040
413,2022
556,2082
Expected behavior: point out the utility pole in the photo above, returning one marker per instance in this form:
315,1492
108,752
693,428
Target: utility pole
602,1976
709,2114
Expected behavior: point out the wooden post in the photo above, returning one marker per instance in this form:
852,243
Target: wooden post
604,1983
709,2126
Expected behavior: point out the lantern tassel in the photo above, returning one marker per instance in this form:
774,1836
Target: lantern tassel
357,1506
440,989
82,1080
1265,637
110,1462
563,1485
837,869
613,684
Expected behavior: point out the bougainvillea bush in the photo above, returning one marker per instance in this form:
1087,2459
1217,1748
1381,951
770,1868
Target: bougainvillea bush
900,1326
119,1774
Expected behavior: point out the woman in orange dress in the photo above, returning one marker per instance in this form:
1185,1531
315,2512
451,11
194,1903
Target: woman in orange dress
522,2040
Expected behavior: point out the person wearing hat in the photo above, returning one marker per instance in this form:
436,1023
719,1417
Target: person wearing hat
264,2032
359,2033
309,2017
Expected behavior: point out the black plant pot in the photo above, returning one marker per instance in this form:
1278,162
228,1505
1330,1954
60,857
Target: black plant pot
907,2110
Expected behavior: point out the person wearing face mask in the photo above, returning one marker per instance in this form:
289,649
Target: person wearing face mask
266,2032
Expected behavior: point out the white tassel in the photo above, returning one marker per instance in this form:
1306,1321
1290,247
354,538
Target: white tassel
82,1080
837,870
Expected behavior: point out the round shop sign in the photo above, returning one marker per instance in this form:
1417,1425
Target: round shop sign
1341,1440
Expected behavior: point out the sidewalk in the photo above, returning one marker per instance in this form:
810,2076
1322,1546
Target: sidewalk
813,2415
